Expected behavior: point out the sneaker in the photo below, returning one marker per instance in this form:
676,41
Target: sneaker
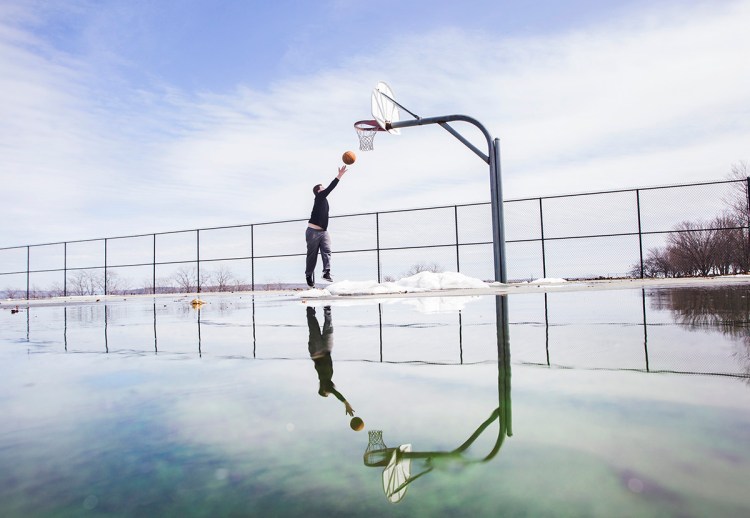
310,281
327,275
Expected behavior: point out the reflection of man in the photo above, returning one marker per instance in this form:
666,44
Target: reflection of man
320,346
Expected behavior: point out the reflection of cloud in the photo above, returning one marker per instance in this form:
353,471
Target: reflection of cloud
440,304
424,305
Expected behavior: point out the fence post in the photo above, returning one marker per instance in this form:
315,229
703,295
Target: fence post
65,269
541,224
747,192
153,273
198,259
28,264
252,258
455,219
640,233
105,266
377,241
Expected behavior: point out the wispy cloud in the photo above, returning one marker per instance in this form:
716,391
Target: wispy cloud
655,98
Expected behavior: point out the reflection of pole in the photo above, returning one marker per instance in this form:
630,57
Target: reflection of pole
546,328
156,348
65,327
380,326
645,331
460,338
503,366
253,302
379,455
200,353
106,342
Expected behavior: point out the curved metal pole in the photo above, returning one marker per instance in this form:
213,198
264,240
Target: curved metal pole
496,191
443,121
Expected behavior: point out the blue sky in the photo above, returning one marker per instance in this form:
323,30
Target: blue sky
128,117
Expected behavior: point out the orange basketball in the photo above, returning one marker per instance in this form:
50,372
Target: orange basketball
349,157
357,424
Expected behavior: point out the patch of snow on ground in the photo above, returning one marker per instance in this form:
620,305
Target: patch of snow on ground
548,280
421,282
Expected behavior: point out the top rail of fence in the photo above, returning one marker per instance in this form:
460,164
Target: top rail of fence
371,213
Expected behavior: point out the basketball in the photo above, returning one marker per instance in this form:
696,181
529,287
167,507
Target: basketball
349,157
357,424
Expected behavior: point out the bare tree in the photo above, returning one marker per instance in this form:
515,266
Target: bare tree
423,267
729,252
185,278
738,199
13,293
56,290
273,285
115,284
656,264
739,204
692,248
222,278
83,282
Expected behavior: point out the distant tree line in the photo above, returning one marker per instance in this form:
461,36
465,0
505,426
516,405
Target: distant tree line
720,246
90,282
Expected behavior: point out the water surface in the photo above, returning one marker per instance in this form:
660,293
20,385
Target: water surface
590,403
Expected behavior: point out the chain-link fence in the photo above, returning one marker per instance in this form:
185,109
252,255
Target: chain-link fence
677,230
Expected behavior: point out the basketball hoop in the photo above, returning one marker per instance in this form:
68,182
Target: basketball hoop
366,131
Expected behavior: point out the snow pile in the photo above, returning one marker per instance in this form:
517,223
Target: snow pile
548,280
362,288
428,281
419,283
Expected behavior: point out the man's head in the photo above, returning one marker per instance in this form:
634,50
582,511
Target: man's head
317,188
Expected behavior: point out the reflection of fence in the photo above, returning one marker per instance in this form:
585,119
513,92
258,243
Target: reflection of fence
650,331
587,235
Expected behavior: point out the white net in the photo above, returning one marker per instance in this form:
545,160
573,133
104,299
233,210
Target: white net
366,133
377,453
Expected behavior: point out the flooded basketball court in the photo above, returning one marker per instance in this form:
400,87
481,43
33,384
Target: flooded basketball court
629,402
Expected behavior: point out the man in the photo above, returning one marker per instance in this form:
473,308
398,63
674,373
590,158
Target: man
316,234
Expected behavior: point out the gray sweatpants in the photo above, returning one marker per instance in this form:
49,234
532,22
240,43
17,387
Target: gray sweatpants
317,241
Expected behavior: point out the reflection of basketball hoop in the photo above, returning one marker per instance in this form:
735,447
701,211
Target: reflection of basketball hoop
377,453
397,468
366,131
